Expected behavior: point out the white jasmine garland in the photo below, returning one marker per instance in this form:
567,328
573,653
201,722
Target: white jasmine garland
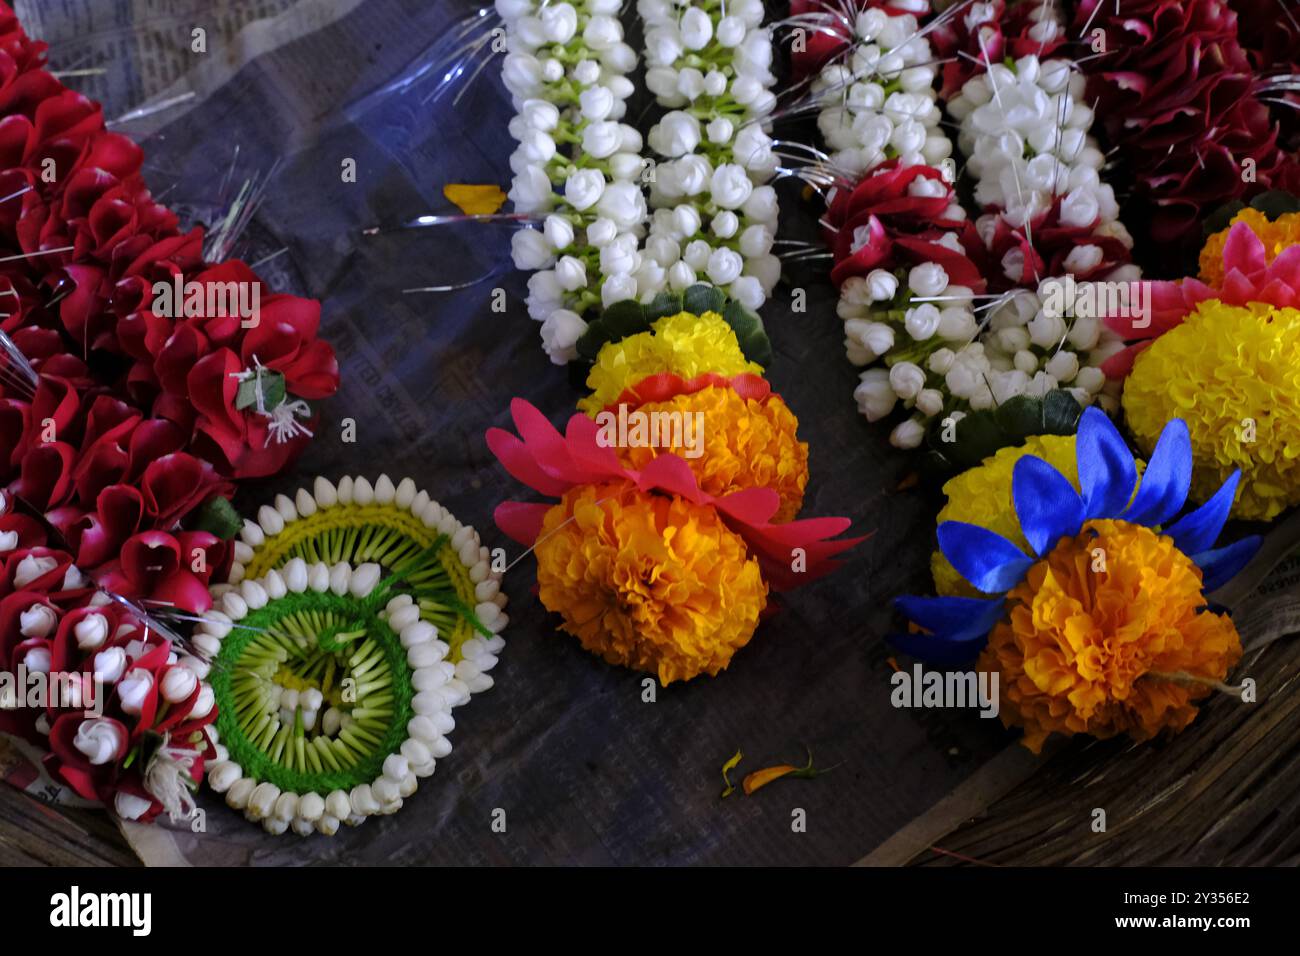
577,163
709,64
1024,130
878,101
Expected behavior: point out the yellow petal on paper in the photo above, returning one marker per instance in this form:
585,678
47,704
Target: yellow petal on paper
475,200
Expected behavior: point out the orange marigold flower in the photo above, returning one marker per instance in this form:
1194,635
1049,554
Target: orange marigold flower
1108,641
649,581
1276,236
738,443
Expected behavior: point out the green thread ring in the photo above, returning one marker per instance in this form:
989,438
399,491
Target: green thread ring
335,677
394,526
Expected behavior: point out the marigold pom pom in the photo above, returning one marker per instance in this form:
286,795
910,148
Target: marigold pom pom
1275,234
683,344
648,581
739,443
1233,374
1120,647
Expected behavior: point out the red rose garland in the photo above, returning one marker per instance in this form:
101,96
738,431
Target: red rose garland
135,416
119,417
124,718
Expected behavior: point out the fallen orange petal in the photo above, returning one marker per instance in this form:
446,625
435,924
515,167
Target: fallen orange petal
475,200
761,778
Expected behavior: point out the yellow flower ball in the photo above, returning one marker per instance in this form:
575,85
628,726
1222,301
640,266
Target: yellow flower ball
982,496
1124,649
1276,236
1233,374
683,344
649,581
742,444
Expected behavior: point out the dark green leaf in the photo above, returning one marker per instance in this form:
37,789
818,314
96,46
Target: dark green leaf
592,341
978,436
1218,220
218,516
1019,417
623,319
665,303
702,297
1275,202
1060,413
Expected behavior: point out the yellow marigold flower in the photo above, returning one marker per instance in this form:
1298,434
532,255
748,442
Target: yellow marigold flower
740,443
982,496
684,344
1276,236
648,581
1233,374
1111,648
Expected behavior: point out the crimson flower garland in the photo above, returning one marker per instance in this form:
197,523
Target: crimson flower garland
124,716
118,418
1180,100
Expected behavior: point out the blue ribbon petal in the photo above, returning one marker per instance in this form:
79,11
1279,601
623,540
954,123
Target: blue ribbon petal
987,560
1107,472
1166,480
1047,505
1197,530
959,627
1220,566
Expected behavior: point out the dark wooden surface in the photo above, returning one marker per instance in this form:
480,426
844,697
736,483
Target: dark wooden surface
1226,792
35,834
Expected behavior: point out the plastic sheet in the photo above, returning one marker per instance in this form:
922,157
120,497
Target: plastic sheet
585,769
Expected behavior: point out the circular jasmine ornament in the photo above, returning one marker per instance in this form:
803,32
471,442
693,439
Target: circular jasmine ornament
334,696
357,617
396,526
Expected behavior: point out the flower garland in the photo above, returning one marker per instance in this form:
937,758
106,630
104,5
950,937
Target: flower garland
370,614
714,218
1078,630
893,221
660,553
126,716
577,168
1047,214
134,394
1190,126
119,416
305,751
901,229
876,87
1223,354
396,526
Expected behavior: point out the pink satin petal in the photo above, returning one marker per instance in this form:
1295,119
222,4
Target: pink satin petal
519,462
1121,363
1238,288
581,436
1286,266
521,521
752,506
671,474
1244,251
543,439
